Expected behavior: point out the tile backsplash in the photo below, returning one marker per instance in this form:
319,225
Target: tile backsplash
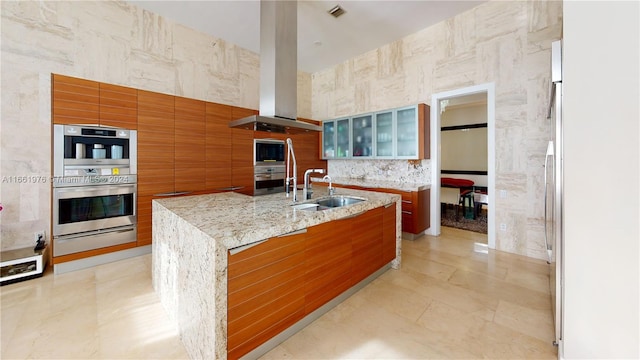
405,171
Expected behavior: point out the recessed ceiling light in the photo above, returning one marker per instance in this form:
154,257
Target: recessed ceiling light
336,11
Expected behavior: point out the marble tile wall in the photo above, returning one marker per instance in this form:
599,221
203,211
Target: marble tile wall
502,42
507,43
107,41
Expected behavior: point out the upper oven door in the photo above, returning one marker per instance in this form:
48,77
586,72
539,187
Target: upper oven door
88,208
268,152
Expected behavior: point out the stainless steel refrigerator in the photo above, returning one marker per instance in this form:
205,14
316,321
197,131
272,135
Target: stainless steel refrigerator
553,191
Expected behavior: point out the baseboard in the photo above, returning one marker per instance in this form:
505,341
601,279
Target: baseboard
410,236
100,259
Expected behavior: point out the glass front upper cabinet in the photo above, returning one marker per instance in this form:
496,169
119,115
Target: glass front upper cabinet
343,137
328,139
385,144
401,133
407,133
362,136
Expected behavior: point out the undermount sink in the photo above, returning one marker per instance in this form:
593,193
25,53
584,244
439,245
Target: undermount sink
338,201
328,203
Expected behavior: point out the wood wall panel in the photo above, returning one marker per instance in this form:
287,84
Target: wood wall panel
218,147
190,138
75,101
118,106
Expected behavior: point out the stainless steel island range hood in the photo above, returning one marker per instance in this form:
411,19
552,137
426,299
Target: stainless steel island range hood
278,72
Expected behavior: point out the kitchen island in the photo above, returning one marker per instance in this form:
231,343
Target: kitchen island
194,236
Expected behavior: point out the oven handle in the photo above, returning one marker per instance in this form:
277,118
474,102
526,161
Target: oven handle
173,193
64,192
95,232
231,188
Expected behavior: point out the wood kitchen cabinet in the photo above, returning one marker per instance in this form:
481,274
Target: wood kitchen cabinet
218,146
242,154
118,106
276,283
366,244
265,291
74,100
306,147
156,155
415,207
81,101
190,151
401,133
327,262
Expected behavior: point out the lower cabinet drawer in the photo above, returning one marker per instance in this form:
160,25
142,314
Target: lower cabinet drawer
407,222
407,206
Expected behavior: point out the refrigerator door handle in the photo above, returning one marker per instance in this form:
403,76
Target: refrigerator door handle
546,195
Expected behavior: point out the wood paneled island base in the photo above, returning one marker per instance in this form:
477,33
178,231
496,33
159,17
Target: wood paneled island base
239,274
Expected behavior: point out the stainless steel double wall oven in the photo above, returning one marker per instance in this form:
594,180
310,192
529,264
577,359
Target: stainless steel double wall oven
94,187
268,166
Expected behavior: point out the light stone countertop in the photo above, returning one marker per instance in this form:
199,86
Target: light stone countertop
235,219
191,239
373,183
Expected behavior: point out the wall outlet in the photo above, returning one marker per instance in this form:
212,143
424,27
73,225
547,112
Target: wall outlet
38,234
503,227
503,194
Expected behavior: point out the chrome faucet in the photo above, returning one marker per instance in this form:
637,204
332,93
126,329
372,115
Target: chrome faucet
330,188
291,154
306,193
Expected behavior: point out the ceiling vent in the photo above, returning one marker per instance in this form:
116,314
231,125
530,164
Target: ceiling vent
336,11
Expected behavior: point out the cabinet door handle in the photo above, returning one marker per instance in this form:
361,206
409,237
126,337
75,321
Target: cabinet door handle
354,215
164,194
388,205
297,232
406,212
240,248
173,193
406,201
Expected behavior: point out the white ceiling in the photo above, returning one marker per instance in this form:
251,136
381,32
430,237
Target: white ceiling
366,24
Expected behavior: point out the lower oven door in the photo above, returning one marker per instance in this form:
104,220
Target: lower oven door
90,240
93,208
268,182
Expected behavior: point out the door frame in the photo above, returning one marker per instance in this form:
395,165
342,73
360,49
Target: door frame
489,89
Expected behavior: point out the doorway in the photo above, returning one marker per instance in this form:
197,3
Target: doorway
459,96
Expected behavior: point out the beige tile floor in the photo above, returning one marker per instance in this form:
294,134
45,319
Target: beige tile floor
447,301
